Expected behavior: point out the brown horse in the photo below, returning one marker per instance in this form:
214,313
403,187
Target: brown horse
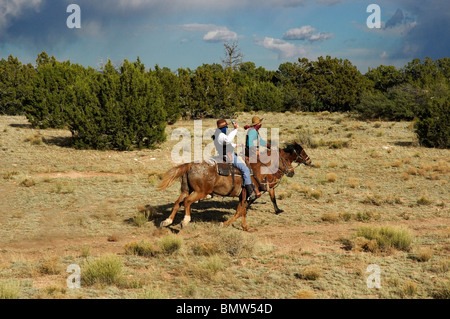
200,179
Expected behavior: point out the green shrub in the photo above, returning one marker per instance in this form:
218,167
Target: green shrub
433,124
53,92
401,102
15,85
264,96
114,109
121,110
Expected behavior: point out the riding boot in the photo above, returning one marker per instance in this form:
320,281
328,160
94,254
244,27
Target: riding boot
251,195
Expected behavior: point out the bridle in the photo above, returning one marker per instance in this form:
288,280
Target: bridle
301,158
287,170
286,166
304,160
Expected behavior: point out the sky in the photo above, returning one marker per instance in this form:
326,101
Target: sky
188,33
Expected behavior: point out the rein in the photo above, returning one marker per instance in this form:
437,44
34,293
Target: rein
304,160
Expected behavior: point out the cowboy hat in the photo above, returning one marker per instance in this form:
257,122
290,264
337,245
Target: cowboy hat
256,120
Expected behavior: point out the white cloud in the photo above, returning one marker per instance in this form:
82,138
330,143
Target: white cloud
14,8
212,32
321,36
302,33
306,33
220,35
284,49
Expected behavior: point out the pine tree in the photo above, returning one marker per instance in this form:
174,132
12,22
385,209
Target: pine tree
52,93
171,88
15,85
433,124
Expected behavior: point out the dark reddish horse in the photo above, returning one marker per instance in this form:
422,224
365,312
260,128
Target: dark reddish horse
200,179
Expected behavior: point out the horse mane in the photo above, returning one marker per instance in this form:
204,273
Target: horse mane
292,146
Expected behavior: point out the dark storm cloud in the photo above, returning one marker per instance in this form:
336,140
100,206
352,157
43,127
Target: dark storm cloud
429,36
44,23
396,19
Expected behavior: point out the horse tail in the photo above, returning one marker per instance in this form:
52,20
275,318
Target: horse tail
173,174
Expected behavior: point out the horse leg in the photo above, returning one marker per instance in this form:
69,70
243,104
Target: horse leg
244,214
185,190
274,201
169,220
192,198
239,210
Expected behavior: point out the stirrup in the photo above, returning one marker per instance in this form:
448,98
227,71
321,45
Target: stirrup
250,199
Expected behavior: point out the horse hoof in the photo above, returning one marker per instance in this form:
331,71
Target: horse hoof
166,223
279,212
184,224
221,224
186,221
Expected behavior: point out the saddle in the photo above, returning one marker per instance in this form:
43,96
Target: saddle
227,169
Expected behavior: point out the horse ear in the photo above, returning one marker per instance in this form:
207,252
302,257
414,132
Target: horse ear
298,145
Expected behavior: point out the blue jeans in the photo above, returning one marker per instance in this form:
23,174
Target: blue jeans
244,169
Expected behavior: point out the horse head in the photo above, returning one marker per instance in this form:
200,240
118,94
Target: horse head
297,150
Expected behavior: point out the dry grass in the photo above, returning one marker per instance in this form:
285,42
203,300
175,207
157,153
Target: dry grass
143,248
353,182
62,206
304,294
309,273
331,177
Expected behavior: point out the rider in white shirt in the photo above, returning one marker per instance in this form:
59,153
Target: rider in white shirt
225,147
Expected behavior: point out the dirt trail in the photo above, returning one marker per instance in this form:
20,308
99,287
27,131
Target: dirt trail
322,238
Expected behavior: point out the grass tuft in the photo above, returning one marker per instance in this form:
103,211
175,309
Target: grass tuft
304,294
330,217
28,182
9,291
424,200
143,248
442,291
331,177
106,269
235,243
309,273
170,244
387,237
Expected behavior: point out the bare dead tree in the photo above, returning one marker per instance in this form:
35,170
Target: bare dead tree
233,55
